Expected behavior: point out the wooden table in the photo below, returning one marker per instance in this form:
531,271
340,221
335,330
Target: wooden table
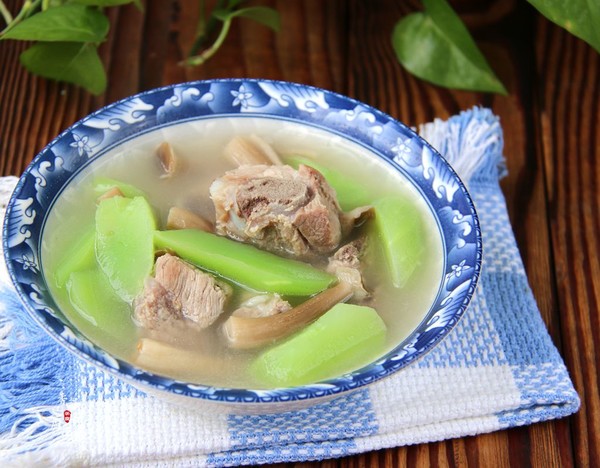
551,120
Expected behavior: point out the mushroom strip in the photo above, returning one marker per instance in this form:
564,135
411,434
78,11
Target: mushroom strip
163,357
180,218
112,192
251,150
252,332
168,161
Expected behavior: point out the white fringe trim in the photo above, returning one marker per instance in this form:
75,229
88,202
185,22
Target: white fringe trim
463,151
7,185
31,446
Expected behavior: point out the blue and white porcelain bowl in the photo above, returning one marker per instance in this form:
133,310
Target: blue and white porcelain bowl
397,146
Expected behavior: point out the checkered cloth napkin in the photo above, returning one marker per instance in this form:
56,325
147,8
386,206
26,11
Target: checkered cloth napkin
497,369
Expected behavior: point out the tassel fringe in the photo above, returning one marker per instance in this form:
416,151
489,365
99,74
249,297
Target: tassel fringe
471,142
27,377
29,440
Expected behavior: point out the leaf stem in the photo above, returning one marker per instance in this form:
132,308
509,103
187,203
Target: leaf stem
212,50
201,27
205,27
27,9
5,13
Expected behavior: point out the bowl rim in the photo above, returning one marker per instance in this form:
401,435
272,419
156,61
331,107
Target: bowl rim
290,94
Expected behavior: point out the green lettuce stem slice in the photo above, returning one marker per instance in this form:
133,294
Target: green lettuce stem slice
346,337
79,256
401,232
94,299
124,243
244,264
104,184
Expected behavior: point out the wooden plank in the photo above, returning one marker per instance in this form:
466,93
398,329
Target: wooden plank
127,47
158,34
254,51
570,143
391,89
33,110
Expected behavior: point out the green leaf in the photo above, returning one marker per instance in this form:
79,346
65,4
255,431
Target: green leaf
73,23
580,17
263,15
67,61
436,46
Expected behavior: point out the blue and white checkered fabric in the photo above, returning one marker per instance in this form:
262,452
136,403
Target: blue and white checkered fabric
497,369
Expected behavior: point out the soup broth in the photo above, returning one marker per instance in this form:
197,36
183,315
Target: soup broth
199,145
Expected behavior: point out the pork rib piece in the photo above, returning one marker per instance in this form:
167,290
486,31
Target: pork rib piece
179,291
345,264
278,208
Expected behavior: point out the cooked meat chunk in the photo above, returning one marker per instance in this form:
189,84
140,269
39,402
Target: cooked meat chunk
345,264
278,209
263,305
349,254
202,298
180,291
156,307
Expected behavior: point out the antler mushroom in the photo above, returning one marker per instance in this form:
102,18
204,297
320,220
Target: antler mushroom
251,332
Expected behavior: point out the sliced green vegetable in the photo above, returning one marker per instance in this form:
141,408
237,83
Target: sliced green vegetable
104,184
343,339
401,230
94,299
244,264
80,256
124,246
350,193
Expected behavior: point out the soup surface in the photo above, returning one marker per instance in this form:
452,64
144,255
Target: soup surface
199,145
